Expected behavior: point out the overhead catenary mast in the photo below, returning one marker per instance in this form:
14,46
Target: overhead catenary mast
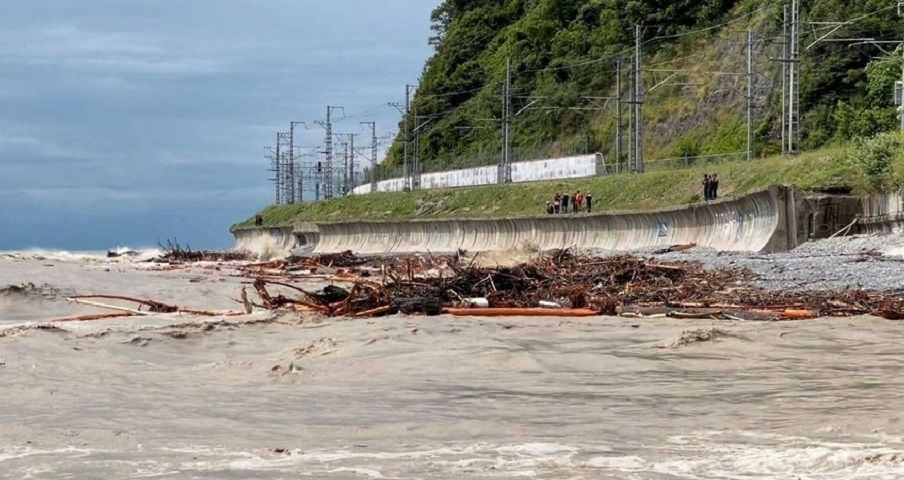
373,154
618,113
406,129
274,168
638,101
350,163
295,177
325,176
505,174
750,98
407,166
793,117
344,167
900,104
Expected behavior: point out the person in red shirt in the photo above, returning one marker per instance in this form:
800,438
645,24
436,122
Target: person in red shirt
578,201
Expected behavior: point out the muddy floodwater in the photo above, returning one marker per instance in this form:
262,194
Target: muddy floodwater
283,396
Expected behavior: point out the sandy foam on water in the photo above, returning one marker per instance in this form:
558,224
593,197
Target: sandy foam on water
704,455
127,255
408,397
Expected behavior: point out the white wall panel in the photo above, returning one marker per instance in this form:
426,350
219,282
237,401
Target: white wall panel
529,171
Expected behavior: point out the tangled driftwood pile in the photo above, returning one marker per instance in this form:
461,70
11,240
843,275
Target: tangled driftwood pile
560,283
173,252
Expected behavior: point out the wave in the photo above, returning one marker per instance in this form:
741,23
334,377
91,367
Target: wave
118,254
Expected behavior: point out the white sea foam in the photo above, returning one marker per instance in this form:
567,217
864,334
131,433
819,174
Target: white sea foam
125,254
19,452
699,456
708,455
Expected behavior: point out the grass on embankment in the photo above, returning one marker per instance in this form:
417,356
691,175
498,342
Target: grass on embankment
864,167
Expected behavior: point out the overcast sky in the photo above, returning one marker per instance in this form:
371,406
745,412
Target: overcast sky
124,122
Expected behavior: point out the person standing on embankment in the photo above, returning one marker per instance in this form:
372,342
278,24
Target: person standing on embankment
589,199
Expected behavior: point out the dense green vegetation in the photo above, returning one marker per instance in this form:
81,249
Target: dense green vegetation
862,167
564,51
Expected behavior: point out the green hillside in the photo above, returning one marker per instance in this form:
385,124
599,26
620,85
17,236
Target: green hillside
563,55
860,167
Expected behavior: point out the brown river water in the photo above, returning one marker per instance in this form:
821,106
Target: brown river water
271,396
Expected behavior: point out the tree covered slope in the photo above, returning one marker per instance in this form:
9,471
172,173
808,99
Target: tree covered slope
563,55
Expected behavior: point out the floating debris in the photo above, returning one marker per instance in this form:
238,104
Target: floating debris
698,335
577,285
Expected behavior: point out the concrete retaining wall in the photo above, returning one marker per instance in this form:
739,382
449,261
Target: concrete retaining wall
881,213
530,171
265,242
764,221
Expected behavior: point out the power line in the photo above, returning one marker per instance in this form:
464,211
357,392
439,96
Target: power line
710,28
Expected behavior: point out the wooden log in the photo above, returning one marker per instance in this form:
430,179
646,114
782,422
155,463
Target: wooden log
793,314
373,312
156,307
210,313
132,311
521,312
91,317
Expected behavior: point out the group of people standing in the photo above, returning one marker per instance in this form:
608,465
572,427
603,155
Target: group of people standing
710,186
562,202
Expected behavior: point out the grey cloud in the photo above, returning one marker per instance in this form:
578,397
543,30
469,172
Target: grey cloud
129,121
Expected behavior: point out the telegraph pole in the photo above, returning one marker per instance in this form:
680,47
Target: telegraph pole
750,81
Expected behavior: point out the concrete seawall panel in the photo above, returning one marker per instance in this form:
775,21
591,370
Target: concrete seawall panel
751,223
763,221
265,242
881,213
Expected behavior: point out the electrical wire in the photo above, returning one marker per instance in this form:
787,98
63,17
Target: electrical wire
713,27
